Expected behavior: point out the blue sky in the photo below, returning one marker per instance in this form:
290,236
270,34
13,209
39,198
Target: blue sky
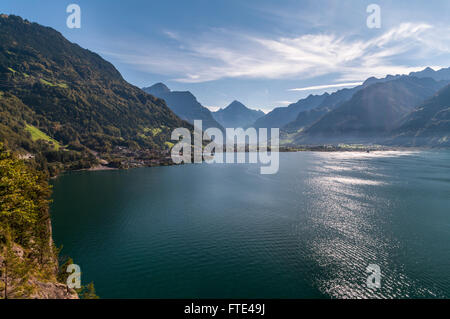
262,53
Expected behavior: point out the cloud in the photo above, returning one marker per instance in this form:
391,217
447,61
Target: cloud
283,102
213,108
171,35
327,86
219,54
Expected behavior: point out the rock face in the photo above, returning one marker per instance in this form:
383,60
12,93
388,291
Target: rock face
44,290
48,289
52,290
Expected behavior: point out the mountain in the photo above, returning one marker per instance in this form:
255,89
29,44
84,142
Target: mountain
371,112
184,104
157,89
75,100
428,125
439,75
334,100
308,117
305,119
237,115
281,116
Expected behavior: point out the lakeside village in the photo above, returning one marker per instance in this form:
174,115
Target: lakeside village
209,147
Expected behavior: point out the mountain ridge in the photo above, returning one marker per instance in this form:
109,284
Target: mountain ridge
287,116
184,104
236,115
78,99
428,124
372,112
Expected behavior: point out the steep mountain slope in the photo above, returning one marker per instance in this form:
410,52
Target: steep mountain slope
428,125
281,116
184,104
305,119
371,112
237,115
335,99
77,98
28,257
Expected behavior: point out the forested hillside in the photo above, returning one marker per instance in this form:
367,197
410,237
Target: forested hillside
61,108
74,103
28,262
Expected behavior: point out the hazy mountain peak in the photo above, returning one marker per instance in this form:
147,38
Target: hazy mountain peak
235,105
237,114
184,104
370,80
442,74
157,89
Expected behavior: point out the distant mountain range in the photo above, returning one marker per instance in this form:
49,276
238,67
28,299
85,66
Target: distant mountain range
184,104
282,116
364,114
237,115
66,104
439,75
372,112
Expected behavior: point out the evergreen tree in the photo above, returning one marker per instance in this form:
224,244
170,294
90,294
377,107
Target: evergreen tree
24,202
88,292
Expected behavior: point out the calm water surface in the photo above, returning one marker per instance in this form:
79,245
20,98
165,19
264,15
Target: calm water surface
225,231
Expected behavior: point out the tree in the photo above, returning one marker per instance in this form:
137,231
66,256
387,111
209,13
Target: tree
15,272
26,248
24,202
88,292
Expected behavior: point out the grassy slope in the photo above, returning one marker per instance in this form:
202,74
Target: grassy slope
84,100
37,134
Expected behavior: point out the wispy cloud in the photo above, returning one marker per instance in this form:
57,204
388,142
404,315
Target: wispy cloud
171,34
283,102
327,86
220,54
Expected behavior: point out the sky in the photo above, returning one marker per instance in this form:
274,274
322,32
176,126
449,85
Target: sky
263,53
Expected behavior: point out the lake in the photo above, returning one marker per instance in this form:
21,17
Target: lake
225,231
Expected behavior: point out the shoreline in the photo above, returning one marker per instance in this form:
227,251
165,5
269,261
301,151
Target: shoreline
314,149
99,168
